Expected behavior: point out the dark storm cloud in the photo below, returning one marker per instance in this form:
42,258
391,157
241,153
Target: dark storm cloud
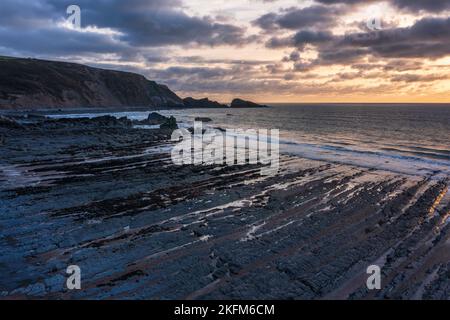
294,18
410,5
34,28
138,24
155,22
398,65
191,72
300,39
309,37
403,65
347,2
59,42
341,56
427,38
202,60
294,56
417,78
425,5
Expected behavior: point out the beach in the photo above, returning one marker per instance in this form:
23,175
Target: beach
105,195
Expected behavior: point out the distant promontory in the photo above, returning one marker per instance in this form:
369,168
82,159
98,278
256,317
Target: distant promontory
239,103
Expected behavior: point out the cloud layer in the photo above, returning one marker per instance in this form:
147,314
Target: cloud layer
273,50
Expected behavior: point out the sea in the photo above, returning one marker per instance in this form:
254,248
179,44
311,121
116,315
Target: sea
405,138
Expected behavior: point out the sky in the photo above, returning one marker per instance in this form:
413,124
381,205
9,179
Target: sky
262,50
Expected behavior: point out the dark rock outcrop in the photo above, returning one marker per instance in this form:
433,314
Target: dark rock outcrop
38,84
170,123
155,118
102,121
36,117
202,103
203,119
110,121
239,103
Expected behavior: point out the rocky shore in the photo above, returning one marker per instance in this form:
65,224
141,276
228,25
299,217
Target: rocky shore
104,195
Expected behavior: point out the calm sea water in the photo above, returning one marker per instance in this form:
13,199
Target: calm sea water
408,138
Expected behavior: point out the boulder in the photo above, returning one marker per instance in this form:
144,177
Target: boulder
155,118
203,119
170,123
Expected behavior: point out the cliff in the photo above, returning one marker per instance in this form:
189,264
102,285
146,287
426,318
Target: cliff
33,84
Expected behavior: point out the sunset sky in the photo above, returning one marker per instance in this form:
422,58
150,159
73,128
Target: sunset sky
264,50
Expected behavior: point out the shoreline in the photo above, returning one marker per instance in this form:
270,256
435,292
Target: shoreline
140,227
396,161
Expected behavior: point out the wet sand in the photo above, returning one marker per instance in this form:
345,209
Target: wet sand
106,197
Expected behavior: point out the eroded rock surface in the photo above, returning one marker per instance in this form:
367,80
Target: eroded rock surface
105,196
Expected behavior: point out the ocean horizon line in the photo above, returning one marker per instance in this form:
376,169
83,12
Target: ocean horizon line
355,103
